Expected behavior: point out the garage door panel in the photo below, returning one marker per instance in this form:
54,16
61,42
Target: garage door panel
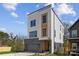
33,47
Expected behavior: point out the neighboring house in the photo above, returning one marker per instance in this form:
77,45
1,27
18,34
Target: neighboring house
73,40
45,31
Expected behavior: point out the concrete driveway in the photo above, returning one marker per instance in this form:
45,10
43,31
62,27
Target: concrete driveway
18,54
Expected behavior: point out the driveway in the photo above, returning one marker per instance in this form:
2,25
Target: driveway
18,54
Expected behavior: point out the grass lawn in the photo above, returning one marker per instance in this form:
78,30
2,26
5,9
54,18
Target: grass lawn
49,54
7,52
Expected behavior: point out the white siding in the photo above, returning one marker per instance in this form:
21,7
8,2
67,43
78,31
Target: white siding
53,24
37,15
59,32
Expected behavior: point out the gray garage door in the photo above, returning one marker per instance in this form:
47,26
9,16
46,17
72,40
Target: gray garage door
33,47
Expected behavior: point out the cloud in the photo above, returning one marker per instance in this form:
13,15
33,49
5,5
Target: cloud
11,7
3,29
20,22
37,6
65,9
14,14
27,13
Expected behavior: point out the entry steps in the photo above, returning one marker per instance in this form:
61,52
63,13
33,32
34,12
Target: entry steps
74,52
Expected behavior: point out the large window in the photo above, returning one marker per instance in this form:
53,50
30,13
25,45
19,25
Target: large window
44,18
44,32
33,23
74,45
74,33
33,34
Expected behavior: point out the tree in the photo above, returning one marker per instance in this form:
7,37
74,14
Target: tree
16,43
66,27
3,37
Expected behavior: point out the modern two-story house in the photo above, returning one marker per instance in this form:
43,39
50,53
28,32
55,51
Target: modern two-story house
73,40
45,31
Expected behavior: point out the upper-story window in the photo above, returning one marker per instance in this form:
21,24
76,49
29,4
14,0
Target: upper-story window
33,34
33,23
44,32
74,33
44,18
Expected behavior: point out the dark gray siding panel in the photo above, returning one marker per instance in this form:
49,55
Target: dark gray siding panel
75,26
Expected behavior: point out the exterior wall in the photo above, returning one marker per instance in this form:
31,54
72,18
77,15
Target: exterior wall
53,23
35,45
58,48
37,15
59,29
75,26
55,31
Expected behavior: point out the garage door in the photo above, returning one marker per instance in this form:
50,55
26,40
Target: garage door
33,47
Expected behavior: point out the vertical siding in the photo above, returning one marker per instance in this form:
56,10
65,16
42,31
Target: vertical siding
59,30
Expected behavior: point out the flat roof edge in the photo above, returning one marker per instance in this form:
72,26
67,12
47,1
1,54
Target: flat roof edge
45,7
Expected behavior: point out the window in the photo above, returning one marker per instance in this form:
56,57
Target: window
33,34
74,33
44,32
33,23
44,18
74,45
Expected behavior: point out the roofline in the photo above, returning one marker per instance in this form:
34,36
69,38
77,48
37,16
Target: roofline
40,9
73,24
57,16
43,9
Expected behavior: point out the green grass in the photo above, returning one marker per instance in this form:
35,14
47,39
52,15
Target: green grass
49,54
8,52
5,52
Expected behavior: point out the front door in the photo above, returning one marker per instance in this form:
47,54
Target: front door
46,45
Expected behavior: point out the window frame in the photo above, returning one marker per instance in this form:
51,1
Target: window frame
33,34
44,31
74,32
44,21
33,23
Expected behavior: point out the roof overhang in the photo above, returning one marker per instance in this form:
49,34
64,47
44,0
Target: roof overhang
73,38
73,24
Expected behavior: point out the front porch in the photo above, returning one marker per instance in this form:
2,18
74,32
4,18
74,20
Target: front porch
73,46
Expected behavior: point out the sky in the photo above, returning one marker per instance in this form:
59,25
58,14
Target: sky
13,16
